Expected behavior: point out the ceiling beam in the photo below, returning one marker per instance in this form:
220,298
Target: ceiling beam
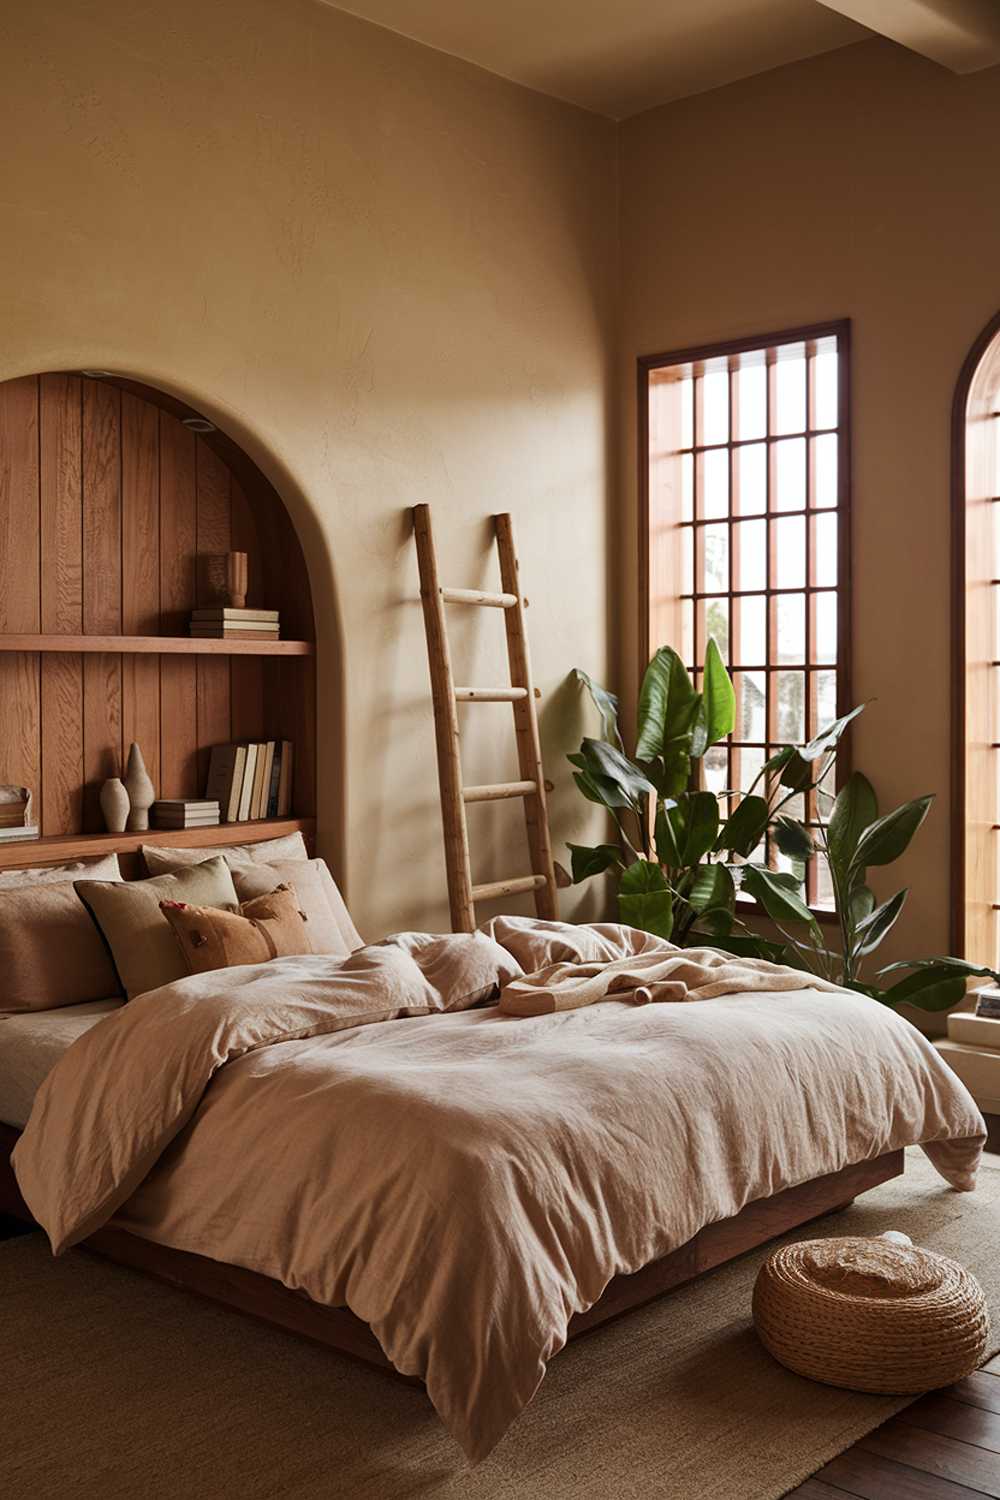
963,35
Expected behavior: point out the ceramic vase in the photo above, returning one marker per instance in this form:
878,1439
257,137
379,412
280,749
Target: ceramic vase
140,791
114,805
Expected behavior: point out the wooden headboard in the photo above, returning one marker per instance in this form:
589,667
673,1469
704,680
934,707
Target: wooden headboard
110,499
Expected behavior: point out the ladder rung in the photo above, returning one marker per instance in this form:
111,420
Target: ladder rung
477,596
498,790
490,695
507,887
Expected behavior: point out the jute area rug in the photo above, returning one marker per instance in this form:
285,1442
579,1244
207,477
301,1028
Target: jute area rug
117,1387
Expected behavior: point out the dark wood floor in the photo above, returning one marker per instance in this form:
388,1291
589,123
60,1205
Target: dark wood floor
945,1446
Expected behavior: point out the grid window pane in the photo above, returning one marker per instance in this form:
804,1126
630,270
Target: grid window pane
715,483
790,474
750,616
789,553
744,453
825,471
789,628
714,407
750,497
790,389
750,543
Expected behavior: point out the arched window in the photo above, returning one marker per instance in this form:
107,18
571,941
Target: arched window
976,487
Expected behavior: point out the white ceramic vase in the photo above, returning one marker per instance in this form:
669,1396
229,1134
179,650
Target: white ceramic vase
140,791
114,805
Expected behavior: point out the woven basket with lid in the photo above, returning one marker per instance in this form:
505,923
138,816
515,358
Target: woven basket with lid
870,1315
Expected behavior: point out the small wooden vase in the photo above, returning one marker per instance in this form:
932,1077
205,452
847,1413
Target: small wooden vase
114,805
236,580
140,791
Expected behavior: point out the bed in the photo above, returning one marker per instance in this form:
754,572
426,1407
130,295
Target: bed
449,1190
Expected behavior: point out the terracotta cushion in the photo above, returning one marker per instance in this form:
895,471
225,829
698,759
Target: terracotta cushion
269,926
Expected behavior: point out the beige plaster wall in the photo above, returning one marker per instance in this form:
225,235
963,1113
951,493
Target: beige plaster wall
860,184
392,275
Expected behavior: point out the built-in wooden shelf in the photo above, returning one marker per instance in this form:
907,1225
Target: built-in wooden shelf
57,848
154,645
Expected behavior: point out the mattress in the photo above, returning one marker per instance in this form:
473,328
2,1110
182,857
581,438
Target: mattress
31,1043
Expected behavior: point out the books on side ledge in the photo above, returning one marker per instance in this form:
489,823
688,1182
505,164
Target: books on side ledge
19,831
251,780
221,622
184,812
988,1004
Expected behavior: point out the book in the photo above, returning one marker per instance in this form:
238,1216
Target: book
246,791
222,774
178,813
210,821
22,831
222,612
271,810
233,627
234,635
285,780
265,780
187,804
260,775
987,1004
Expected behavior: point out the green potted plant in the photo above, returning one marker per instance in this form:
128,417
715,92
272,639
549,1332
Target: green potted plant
680,865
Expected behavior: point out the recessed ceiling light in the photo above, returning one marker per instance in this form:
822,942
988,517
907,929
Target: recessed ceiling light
97,374
198,424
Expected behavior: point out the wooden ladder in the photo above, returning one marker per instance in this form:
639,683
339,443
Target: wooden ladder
462,894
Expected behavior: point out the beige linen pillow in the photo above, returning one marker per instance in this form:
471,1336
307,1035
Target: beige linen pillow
139,936
270,926
163,861
104,867
51,954
328,921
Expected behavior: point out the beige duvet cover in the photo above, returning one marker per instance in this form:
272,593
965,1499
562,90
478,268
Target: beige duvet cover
465,1182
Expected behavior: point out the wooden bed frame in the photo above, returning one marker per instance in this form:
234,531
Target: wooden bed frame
338,1328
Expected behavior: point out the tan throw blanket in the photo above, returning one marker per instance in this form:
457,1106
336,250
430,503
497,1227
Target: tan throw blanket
683,974
465,1182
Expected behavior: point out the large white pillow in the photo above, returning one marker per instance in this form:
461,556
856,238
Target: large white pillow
161,860
103,867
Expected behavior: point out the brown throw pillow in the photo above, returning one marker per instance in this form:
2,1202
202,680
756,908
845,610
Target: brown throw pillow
267,927
51,954
136,931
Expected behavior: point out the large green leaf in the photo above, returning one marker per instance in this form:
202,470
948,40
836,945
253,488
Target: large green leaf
597,789
702,826
935,987
792,838
747,946
860,904
828,737
644,900
956,966
855,809
667,704
606,704
712,889
669,831
886,838
780,902
873,928
589,861
717,711
601,759
744,828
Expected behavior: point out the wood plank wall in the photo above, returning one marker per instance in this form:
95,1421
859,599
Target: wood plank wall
108,506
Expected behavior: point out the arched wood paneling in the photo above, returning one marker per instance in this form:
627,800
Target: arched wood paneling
109,505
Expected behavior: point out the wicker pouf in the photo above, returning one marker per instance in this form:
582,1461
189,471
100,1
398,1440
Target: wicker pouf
870,1315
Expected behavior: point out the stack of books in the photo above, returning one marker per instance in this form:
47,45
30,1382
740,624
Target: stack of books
185,812
14,831
221,622
12,821
251,780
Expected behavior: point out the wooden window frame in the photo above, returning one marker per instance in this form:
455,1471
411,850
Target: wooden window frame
975,793
646,365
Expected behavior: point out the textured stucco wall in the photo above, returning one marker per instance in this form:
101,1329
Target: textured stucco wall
860,184
392,276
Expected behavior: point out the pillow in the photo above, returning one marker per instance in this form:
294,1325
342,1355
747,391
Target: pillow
50,952
104,867
536,943
268,927
465,968
140,938
163,861
327,919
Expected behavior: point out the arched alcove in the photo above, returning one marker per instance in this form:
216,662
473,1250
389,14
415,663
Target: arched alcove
112,496
976,760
